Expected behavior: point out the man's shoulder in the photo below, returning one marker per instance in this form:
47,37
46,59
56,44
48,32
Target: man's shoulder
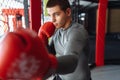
77,25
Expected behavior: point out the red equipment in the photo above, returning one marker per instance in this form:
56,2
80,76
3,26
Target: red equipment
24,56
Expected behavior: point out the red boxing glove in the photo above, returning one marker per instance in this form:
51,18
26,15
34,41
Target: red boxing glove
23,56
46,31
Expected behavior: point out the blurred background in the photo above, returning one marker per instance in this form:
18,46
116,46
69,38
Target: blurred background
17,13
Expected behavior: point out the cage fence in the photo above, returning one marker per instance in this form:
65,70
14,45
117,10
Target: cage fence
13,14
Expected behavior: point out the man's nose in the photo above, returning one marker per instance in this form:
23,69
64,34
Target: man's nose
53,19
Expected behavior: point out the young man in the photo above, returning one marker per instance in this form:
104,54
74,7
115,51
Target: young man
69,42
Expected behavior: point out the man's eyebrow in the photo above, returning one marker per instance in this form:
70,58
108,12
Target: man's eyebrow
54,13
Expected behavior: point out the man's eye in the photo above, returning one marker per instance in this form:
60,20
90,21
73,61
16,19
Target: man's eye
56,14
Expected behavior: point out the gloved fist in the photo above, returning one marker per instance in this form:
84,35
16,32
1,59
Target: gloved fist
23,56
46,31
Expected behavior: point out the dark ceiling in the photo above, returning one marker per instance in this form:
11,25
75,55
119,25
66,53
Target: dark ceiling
94,3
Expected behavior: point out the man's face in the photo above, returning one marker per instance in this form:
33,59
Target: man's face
58,16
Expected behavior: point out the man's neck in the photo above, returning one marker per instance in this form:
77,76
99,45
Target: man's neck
68,23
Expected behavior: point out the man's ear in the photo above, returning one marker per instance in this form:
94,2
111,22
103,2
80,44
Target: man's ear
68,11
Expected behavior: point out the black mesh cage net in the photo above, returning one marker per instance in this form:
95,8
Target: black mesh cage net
13,14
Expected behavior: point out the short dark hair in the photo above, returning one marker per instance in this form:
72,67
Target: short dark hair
63,4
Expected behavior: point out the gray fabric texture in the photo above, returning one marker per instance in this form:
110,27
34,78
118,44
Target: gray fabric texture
72,49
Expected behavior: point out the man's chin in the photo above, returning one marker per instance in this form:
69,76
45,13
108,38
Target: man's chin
58,27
